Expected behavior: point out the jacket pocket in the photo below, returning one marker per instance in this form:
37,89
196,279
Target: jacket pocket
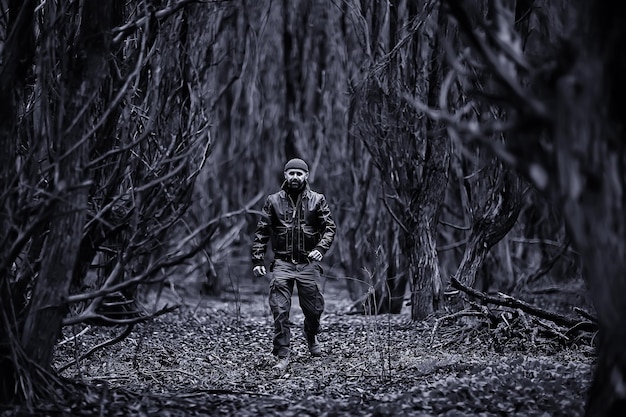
311,238
279,240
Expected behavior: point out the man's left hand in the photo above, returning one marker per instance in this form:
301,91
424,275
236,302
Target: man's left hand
315,255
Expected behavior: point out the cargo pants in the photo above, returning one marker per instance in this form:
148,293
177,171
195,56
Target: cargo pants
307,278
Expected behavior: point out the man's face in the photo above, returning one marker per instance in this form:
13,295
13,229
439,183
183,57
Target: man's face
295,178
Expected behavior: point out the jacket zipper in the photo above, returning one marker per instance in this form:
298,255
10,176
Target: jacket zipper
293,225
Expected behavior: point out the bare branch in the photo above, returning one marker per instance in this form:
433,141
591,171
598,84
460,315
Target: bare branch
172,258
123,31
508,301
96,348
393,214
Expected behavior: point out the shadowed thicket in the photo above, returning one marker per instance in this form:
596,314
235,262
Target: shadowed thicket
103,140
547,79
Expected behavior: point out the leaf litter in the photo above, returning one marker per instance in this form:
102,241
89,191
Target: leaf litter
212,357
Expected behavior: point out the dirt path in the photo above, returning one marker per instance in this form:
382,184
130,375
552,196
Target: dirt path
212,358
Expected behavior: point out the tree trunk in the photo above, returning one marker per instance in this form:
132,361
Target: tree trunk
592,172
497,214
427,284
47,309
81,74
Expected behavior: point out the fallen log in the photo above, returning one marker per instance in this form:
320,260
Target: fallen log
505,300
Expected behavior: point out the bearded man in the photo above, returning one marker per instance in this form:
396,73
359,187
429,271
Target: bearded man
298,222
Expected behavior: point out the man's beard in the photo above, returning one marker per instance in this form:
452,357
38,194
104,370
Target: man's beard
295,184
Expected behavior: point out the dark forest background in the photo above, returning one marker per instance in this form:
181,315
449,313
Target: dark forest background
461,145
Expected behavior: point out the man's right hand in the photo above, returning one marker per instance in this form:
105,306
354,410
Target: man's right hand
259,271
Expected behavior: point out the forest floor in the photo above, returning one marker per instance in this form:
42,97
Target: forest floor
211,357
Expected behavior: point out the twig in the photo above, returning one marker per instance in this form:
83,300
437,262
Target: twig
395,217
122,31
550,328
102,345
462,313
583,326
223,391
107,320
155,371
69,339
586,314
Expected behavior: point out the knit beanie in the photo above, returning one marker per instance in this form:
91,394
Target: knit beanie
296,163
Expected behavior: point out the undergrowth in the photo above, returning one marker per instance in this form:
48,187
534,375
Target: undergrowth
212,357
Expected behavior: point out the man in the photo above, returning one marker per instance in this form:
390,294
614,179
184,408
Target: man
299,223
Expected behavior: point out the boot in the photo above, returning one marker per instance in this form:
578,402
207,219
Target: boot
282,364
314,346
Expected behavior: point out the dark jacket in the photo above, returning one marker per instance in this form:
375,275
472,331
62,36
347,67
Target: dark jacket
295,227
